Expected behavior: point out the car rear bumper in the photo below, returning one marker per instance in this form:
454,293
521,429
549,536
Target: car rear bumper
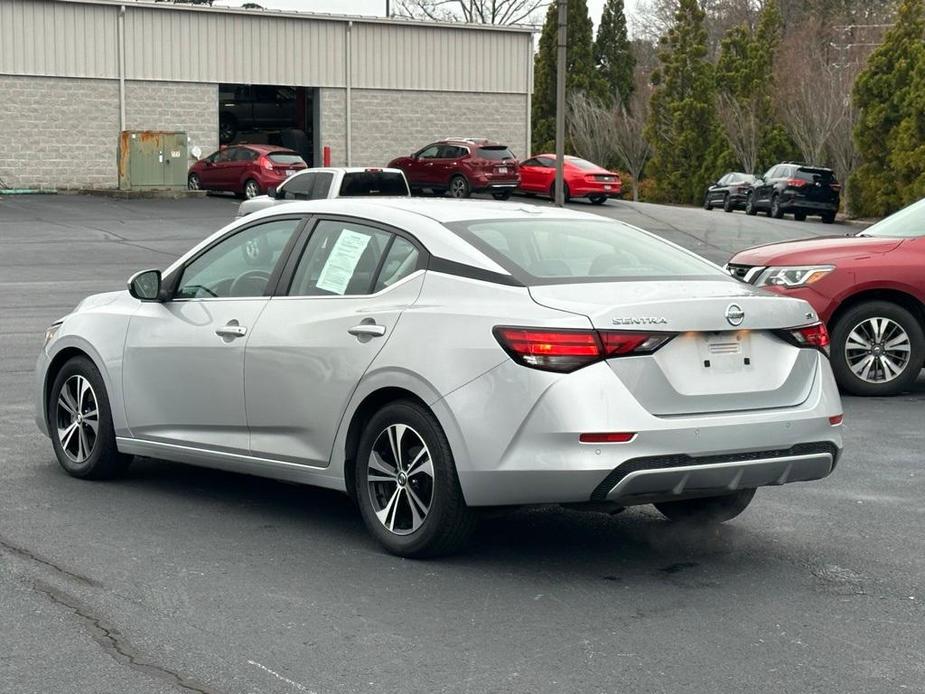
587,190
801,203
515,445
494,186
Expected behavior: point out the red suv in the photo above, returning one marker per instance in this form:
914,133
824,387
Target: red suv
462,166
868,288
246,170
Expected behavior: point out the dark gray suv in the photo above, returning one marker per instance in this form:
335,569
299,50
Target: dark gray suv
798,189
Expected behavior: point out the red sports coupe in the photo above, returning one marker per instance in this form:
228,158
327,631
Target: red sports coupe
868,288
582,179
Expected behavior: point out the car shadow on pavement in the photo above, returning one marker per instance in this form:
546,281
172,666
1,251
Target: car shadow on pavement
580,544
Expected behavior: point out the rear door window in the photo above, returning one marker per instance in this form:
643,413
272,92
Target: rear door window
323,181
340,259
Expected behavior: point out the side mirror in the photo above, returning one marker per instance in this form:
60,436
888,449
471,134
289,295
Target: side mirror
271,192
145,285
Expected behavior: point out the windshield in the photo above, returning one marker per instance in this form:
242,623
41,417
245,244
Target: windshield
373,183
908,223
566,251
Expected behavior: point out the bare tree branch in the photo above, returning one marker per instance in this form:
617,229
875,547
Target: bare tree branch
741,120
501,12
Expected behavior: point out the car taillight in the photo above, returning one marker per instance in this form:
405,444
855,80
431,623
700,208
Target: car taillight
796,182
836,420
608,437
568,350
814,336
266,163
835,186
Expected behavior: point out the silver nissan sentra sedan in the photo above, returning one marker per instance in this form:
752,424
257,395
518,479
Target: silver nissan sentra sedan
433,356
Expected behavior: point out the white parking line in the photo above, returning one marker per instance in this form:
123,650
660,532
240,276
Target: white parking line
281,678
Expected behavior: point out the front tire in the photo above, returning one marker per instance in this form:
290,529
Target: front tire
193,182
707,205
80,423
459,187
750,208
711,510
877,349
406,484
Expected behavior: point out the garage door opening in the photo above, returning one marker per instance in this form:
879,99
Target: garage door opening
270,115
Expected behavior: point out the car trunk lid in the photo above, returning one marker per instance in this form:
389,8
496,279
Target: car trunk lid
727,353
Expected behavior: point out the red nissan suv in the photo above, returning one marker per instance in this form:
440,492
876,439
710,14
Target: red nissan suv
246,170
461,166
868,288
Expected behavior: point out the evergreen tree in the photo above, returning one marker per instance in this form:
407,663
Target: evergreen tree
743,71
613,54
581,75
887,93
682,126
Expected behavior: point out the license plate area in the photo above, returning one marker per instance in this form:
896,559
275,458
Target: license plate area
501,170
725,352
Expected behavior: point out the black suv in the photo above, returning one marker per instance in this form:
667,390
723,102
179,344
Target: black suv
730,192
796,188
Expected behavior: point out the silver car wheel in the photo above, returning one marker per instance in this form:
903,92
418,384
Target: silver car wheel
458,187
878,350
78,419
251,190
400,474
194,182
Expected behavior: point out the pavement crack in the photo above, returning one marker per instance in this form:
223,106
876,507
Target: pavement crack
114,645
29,555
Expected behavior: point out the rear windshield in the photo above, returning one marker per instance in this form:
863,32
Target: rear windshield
285,158
582,163
565,251
815,175
361,183
909,222
496,153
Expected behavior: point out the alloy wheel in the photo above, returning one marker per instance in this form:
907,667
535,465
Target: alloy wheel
400,474
458,187
194,182
77,418
251,190
878,350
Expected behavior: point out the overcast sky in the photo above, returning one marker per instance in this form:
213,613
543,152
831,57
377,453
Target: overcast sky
371,7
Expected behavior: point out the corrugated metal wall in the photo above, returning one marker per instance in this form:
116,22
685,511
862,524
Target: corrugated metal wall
76,39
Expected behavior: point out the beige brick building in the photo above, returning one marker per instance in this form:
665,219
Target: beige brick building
73,73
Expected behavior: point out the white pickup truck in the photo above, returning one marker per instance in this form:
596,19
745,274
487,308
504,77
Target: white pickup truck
330,182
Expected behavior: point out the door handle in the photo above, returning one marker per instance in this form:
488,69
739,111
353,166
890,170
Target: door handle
367,330
231,331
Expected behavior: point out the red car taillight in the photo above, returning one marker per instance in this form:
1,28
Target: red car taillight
796,182
815,336
266,163
568,350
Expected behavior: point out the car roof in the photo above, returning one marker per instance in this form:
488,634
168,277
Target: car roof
424,218
265,149
475,141
349,169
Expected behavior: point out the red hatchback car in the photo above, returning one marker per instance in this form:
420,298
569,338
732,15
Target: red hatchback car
582,179
868,288
246,170
461,166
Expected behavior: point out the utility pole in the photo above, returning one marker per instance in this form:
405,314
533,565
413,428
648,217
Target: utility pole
560,101
388,10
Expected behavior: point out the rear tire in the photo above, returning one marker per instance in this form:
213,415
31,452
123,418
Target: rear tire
598,199
799,216
711,510
251,189
503,195
828,217
552,192
415,508
83,452
859,322
727,204
776,210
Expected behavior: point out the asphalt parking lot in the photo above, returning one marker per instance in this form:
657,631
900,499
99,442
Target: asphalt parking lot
184,579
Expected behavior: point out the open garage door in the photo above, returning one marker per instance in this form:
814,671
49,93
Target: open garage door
268,114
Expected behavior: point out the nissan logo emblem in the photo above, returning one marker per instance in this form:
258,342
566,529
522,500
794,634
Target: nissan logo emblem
735,315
